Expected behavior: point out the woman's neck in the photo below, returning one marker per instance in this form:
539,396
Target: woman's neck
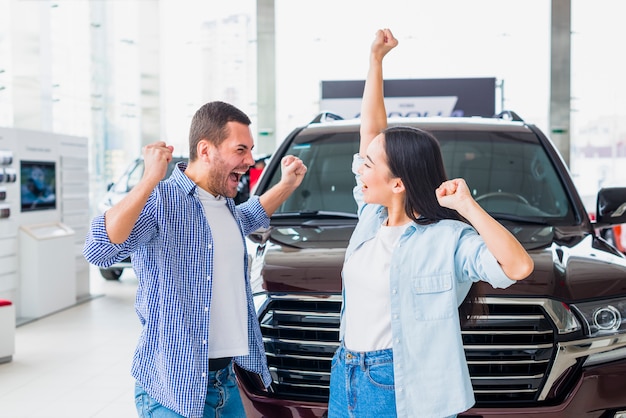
396,216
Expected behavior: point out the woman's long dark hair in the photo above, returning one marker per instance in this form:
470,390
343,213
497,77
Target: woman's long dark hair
414,156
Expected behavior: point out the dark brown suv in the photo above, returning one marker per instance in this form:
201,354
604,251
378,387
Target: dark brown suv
553,345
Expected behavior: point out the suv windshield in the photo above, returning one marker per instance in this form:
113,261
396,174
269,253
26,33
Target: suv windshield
508,173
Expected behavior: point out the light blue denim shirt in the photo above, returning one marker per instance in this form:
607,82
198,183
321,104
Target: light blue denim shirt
171,246
431,272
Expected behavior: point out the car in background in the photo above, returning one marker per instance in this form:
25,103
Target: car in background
552,345
248,181
116,192
129,179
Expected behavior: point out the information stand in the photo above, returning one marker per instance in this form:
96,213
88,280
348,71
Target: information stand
48,271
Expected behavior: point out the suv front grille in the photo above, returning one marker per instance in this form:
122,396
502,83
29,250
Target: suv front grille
301,337
509,351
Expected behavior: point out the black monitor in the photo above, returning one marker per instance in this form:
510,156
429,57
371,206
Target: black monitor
37,185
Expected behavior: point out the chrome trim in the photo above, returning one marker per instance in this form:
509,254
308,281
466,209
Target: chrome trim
302,342
293,327
546,332
507,362
304,372
298,357
605,357
510,317
308,313
561,316
568,353
320,297
507,391
483,347
302,385
536,376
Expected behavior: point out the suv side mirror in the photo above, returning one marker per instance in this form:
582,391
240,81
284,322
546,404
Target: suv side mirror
611,206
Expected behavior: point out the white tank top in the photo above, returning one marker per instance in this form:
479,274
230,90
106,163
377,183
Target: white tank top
367,309
228,319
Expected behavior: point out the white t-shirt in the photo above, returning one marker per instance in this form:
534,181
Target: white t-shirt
228,320
367,309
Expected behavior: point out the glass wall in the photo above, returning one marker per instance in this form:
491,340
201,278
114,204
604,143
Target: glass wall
598,111
127,73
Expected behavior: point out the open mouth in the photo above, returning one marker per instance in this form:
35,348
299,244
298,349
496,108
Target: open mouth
235,176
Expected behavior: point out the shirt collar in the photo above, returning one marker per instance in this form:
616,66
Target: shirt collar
179,177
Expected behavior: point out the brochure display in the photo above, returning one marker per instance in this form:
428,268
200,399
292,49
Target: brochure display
48,270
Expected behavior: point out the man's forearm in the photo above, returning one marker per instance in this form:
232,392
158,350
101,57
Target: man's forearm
276,196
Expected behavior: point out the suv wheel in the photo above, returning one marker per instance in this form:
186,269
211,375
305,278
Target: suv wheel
111,274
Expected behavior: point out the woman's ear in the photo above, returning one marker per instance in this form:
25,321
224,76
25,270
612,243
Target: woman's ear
398,186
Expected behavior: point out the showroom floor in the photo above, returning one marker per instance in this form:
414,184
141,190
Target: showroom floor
76,363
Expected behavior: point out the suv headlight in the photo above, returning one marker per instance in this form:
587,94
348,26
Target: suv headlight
603,317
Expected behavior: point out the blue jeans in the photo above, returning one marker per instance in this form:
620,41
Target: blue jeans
362,385
222,399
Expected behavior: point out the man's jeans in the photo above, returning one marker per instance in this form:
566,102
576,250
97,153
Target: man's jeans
222,399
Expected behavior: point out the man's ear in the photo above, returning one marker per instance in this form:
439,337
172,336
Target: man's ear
398,186
203,150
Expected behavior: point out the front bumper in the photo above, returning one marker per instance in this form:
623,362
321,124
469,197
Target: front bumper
600,392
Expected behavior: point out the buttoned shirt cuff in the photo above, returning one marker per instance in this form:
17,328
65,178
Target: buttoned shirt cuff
99,236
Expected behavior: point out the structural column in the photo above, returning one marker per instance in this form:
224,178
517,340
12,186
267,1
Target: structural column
32,71
560,76
266,76
149,67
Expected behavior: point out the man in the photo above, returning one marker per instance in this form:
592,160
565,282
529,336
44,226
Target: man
188,250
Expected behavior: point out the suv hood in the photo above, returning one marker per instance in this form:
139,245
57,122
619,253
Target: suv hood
309,258
300,258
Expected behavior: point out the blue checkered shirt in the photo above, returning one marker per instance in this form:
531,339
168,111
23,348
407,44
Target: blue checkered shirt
171,253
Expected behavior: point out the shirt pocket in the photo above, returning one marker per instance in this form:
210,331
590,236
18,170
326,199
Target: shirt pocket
433,297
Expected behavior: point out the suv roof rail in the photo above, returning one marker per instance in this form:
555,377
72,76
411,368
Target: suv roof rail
509,115
325,117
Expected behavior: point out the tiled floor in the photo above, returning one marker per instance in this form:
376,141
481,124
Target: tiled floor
76,363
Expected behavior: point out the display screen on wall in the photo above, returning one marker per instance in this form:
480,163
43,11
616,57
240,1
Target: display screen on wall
37,185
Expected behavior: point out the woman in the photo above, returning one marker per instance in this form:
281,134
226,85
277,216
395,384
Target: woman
420,243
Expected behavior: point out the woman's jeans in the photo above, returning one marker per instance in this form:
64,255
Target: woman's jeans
361,384
222,399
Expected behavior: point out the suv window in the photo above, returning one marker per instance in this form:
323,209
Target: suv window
329,181
508,173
